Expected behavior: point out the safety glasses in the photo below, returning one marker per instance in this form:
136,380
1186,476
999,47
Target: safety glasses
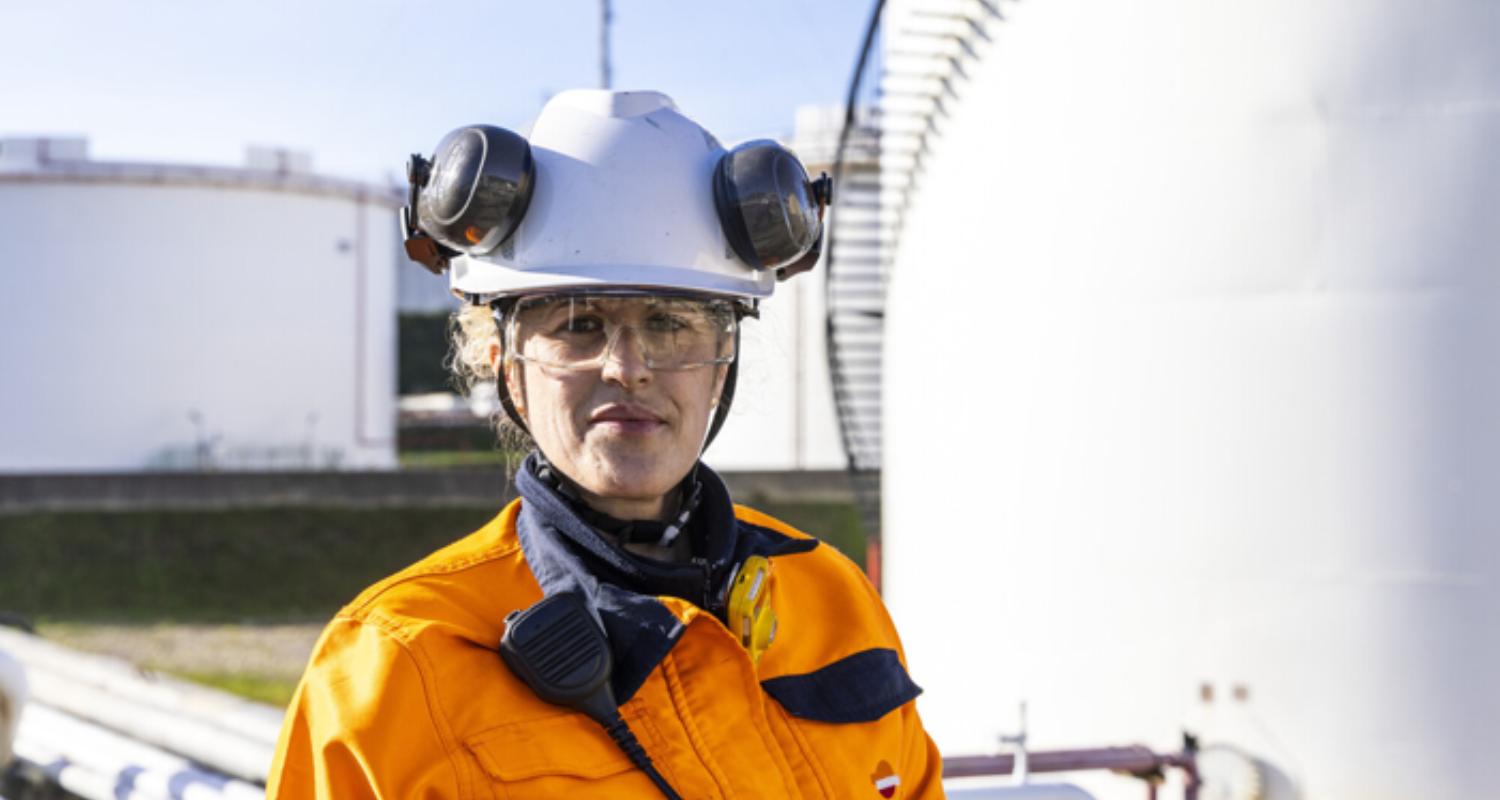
582,331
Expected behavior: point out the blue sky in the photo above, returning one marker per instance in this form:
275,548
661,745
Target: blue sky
361,83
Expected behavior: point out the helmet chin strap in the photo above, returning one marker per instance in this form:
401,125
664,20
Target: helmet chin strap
509,405
726,397
721,410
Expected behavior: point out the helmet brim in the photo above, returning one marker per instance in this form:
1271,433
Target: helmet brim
478,278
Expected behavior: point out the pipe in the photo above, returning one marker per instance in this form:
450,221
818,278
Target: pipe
216,729
13,692
1141,762
98,764
1134,760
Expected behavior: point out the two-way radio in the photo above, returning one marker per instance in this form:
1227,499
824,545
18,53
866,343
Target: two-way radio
559,650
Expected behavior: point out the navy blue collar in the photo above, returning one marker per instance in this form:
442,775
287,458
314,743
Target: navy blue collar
566,554
637,531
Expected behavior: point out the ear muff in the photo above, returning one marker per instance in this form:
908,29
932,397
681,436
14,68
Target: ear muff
470,197
767,206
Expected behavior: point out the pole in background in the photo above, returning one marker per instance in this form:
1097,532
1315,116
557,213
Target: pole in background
604,19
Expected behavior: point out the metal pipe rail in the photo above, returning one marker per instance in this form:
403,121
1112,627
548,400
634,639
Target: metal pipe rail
1140,762
227,733
95,763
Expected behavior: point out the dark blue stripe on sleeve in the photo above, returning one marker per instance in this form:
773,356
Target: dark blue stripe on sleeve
860,688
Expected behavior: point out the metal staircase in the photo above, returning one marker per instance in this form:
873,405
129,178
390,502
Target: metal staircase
887,135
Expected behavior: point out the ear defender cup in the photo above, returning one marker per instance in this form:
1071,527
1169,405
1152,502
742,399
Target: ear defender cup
766,204
475,191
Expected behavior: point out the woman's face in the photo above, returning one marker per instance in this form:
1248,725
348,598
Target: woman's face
624,432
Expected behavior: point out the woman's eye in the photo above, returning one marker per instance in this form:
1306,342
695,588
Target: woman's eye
581,325
668,323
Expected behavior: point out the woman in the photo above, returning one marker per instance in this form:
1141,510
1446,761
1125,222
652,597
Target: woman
622,629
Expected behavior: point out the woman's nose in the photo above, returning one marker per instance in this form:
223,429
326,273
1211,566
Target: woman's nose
624,358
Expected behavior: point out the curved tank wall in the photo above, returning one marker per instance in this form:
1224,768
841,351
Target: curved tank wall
183,318
1212,295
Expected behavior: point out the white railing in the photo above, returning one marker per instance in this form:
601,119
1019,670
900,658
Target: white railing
103,729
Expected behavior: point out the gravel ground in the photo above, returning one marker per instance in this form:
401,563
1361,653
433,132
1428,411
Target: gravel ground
277,652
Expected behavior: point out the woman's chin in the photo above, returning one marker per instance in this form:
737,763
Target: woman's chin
637,479
625,487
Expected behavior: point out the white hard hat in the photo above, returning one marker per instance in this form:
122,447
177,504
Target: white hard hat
612,189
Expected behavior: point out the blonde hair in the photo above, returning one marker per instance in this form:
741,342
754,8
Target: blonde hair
473,333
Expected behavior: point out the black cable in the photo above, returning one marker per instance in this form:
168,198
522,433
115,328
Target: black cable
558,648
625,738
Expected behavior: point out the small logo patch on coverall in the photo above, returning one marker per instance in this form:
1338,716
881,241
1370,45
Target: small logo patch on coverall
886,780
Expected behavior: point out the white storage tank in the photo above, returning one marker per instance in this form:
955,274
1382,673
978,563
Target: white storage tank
183,317
1193,392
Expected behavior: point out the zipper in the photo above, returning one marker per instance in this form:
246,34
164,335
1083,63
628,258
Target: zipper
708,603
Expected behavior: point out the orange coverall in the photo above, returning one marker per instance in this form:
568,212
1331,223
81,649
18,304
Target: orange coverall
407,697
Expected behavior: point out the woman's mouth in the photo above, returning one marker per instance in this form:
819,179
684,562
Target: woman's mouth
626,419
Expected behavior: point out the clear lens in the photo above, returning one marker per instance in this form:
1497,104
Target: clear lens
582,331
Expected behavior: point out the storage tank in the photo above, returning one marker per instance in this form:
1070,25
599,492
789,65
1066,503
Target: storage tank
183,317
1199,303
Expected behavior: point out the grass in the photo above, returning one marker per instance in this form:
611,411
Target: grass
211,566
274,691
447,459
263,565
